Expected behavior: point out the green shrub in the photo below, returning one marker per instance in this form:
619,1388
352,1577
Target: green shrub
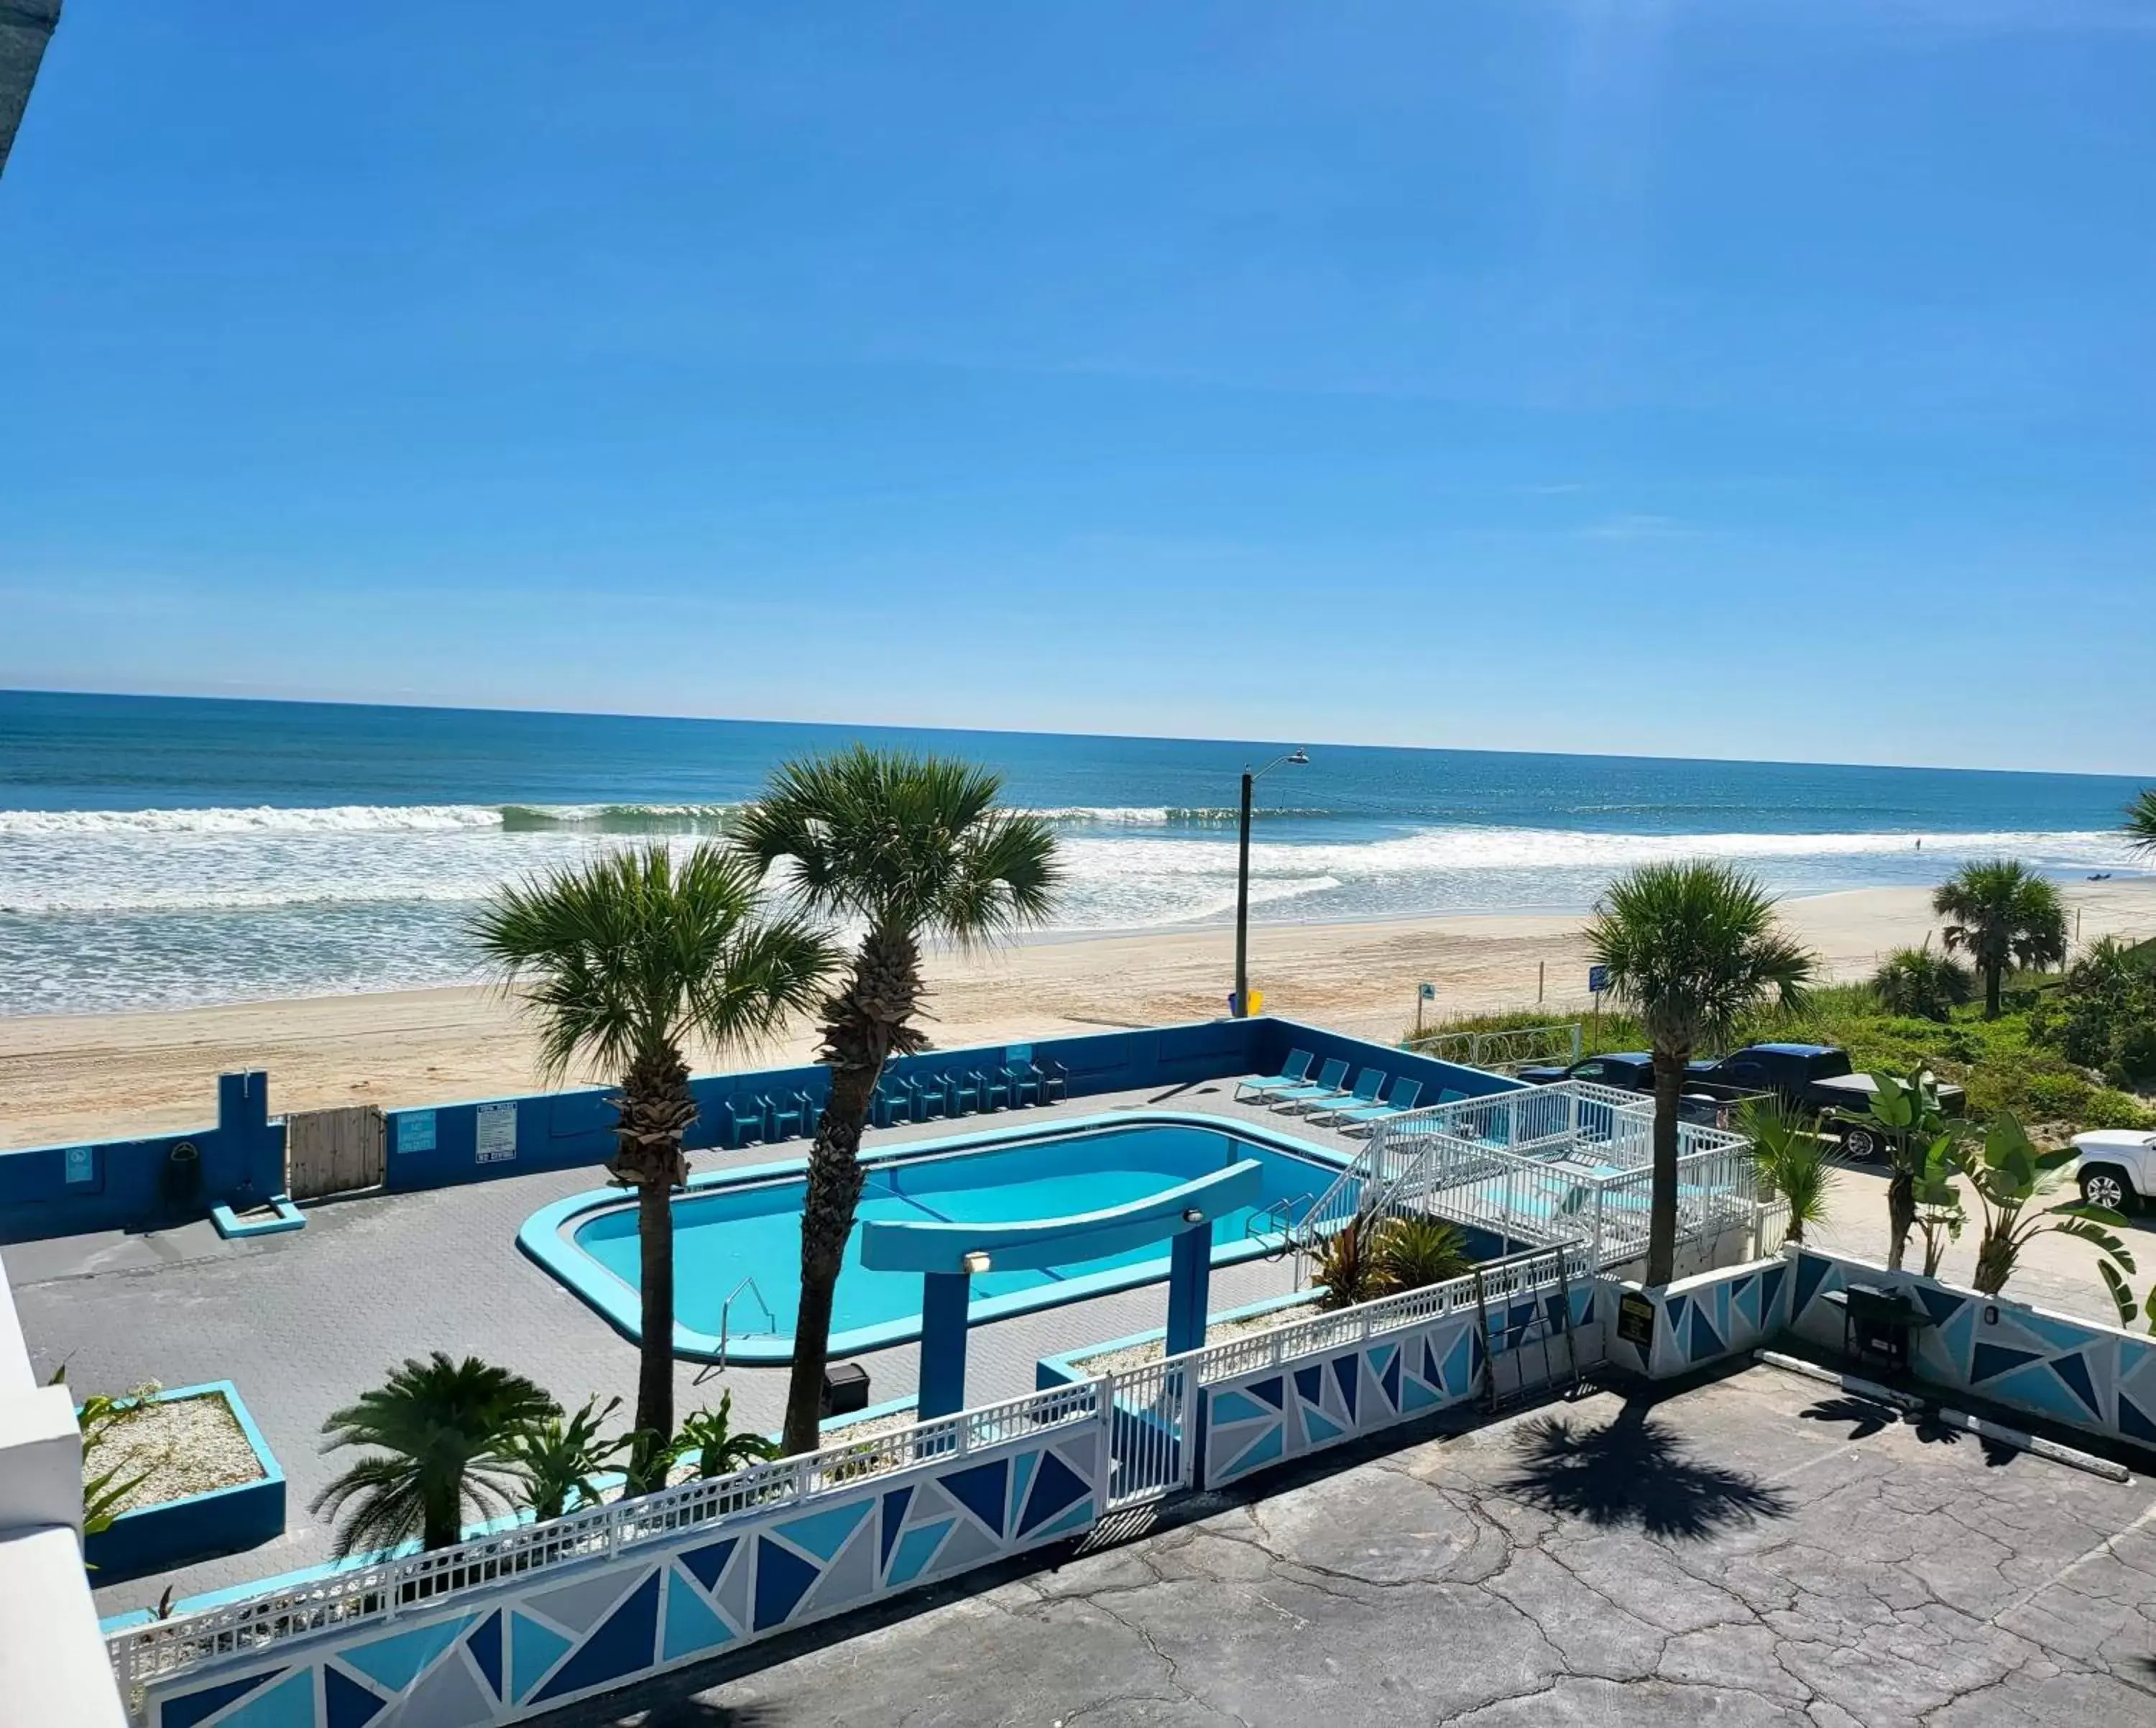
2107,1108
2057,1096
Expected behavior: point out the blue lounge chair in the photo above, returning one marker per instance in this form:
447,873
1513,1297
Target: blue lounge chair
1323,1090
1260,1086
1369,1084
1363,1117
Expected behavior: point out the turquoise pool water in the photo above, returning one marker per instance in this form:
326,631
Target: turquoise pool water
750,1229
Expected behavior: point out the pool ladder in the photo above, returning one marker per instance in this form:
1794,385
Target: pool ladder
746,1286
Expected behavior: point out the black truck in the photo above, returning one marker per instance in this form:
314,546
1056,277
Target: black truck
1819,1079
1816,1078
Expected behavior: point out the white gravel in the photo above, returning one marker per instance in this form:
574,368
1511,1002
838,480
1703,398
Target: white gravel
188,1446
1138,1355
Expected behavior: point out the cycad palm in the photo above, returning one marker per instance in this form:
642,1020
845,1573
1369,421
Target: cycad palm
443,1434
627,959
2001,913
1692,948
906,847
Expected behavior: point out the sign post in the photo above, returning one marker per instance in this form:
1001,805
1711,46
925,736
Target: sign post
1424,993
1598,980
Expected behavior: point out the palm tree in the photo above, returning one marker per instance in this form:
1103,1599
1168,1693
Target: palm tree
2140,825
443,1432
624,960
1917,982
904,846
1790,1160
2002,913
1691,949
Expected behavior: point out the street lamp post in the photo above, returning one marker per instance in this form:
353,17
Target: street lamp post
1242,1006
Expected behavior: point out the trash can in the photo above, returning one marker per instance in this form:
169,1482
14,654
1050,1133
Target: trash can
845,1389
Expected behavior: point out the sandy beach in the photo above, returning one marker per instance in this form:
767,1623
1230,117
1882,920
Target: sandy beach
65,1078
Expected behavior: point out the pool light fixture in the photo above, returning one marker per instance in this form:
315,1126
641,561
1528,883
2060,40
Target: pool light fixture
1194,1215
976,1262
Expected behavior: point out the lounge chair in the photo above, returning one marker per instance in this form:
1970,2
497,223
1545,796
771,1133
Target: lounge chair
1322,1091
1369,1084
1260,1086
1363,1117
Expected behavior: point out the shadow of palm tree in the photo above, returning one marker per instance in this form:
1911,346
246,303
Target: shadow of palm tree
1866,1417
1631,1471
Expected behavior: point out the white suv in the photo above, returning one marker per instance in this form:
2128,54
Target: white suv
2118,1165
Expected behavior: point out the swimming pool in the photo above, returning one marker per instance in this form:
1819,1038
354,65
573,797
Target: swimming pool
745,1225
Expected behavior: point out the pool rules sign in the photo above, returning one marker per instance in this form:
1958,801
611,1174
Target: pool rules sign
494,1140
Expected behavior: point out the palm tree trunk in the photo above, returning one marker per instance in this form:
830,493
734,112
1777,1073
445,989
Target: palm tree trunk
655,1109
1992,972
1900,1201
1662,1205
864,1026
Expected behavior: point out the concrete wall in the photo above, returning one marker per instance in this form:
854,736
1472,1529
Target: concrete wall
2086,1376
225,1521
525,1649
1698,1320
114,1185
53,1667
61,1191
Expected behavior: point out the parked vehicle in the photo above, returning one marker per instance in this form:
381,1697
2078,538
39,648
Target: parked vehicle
1819,1079
2117,1166
1708,1102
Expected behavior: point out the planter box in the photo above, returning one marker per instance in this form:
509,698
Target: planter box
200,1526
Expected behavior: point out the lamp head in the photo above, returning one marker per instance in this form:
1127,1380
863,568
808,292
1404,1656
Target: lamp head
976,1262
1300,757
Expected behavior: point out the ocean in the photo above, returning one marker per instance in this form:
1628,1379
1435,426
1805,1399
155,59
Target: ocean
159,852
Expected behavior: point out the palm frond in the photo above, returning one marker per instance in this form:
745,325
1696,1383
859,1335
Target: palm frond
2140,825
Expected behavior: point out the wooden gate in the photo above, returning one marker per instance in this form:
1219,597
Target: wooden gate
333,1151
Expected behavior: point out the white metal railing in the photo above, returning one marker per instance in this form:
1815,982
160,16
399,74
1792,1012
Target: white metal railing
1502,1051
387,1588
1770,1228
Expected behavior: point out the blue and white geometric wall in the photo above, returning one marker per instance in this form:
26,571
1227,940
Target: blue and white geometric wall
1308,1403
2077,1372
1701,1319
523,1649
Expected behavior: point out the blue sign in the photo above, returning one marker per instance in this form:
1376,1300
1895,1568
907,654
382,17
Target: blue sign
1429,993
415,1131
81,1165
1016,1053
1598,978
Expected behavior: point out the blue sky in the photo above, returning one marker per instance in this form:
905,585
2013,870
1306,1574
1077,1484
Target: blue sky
1759,378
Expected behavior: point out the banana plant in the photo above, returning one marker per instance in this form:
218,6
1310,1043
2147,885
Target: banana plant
2010,1173
1911,1124
1939,1217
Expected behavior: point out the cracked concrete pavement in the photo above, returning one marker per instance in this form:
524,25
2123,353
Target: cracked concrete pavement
1742,1552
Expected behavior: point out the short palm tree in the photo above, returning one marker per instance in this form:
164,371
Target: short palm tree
443,1434
2140,825
1791,1161
624,960
2001,913
1413,1253
1692,948
904,848
1923,984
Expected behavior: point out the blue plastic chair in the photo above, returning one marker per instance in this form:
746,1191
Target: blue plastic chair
932,1097
894,1098
791,1116
1023,1078
1326,1087
1055,1082
1263,1085
993,1087
748,1120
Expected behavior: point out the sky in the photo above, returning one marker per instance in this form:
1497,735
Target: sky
1769,378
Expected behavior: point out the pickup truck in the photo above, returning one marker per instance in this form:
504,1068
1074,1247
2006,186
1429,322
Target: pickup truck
1703,1102
1817,1078
2117,1167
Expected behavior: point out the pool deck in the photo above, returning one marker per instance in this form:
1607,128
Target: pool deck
303,1323
1756,1552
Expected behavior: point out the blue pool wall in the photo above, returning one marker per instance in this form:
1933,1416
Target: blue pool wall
62,1191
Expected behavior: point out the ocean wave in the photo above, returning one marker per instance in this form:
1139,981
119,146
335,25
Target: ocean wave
601,819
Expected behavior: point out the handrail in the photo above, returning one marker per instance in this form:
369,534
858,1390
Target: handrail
726,1316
